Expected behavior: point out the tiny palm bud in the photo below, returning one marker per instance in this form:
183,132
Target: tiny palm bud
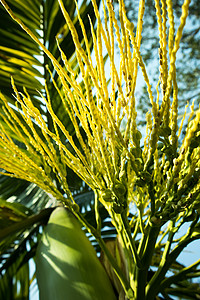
156,221
107,195
165,131
136,136
119,188
137,152
146,176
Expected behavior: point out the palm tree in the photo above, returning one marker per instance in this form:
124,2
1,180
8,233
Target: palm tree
75,125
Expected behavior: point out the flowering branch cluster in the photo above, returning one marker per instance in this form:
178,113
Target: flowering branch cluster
161,178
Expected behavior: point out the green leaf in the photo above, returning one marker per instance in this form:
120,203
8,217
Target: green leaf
67,258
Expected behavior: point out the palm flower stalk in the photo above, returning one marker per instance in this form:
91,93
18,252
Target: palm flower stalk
126,170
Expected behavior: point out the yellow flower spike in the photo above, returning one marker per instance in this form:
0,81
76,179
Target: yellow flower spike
190,132
116,26
190,171
124,43
16,123
164,37
15,90
131,122
127,66
171,26
57,167
65,132
163,160
90,68
166,168
69,156
182,121
26,109
186,143
78,46
65,61
104,93
70,107
131,112
140,22
118,80
81,64
164,59
106,21
130,69
99,133
174,116
134,68
84,32
159,21
96,52
192,195
7,117
106,40
16,155
112,73
192,111
158,94
185,9
148,131
96,9
107,44
132,117
73,32
93,140
129,26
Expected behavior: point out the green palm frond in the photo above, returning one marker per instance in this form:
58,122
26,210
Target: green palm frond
22,58
19,233
14,284
17,51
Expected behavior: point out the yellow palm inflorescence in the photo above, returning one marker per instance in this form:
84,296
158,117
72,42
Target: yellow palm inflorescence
111,159
108,157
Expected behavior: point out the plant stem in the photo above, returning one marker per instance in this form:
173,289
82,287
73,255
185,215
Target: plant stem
141,279
156,282
130,240
164,256
152,196
180,275
149,247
